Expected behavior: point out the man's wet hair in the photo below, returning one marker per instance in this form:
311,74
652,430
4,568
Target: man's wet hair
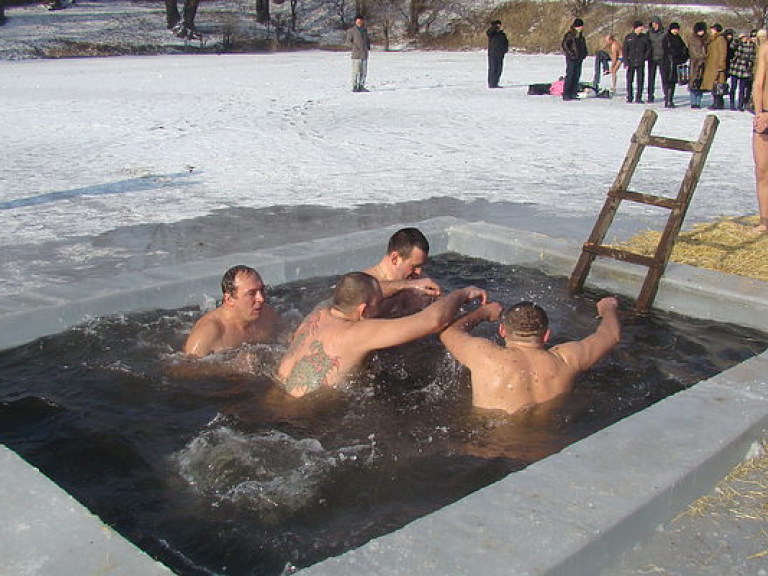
228,280
405,240
526,320
353,289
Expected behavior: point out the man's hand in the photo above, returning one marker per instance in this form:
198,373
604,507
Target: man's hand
492,311
426,286
609,304
472,292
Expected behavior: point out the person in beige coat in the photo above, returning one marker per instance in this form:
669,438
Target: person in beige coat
716,65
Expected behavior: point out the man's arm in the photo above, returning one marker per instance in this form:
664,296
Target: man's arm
427,286
203,337
375,334
584,354
460,344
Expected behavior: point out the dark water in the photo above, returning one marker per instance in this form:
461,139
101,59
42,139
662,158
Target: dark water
210,469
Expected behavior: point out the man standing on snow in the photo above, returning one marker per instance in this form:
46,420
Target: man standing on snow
360,42
656,36
498,45
575,49
637,49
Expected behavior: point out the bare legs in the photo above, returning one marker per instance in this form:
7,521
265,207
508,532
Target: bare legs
760,154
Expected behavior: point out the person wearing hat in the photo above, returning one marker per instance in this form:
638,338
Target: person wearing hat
740,70
715,65
637,50
575,50
656,34
498,46
675,52
697,51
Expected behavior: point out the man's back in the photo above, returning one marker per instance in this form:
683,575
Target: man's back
524,371
512,377
321,354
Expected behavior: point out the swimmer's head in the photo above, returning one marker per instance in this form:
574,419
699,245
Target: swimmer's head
405,240
354,289
407,253
526,321
228,281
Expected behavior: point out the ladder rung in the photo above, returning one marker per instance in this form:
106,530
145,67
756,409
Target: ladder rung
619,254
650,199
670,143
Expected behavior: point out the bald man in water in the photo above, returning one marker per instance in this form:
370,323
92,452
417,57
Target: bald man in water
523,371
244,317
335,339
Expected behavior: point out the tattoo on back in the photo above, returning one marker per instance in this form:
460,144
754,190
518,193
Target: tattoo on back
312,370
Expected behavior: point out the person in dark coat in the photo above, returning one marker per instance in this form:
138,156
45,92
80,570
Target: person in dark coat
675,53
637,50
574,47
656,36
498,46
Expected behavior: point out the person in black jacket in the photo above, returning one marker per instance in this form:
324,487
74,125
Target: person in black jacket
637,49
498,45
675,53
575,49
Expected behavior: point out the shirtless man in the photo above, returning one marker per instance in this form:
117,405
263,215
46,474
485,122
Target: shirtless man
524,372
613,48
399,274
335,339
243,317
760,137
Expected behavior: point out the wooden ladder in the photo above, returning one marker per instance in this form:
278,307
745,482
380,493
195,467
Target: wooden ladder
678,206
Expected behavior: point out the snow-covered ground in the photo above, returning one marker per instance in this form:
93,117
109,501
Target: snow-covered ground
93,146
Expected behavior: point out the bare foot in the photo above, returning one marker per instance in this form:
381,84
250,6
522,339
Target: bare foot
758,230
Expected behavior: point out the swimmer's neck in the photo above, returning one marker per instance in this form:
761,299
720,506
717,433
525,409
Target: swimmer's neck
336,313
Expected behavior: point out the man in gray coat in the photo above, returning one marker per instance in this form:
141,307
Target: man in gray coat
358,40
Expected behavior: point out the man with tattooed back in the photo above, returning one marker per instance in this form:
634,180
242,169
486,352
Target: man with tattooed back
335,339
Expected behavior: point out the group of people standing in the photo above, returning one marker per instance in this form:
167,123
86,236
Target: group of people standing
706,63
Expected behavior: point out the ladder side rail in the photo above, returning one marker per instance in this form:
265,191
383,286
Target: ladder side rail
676,217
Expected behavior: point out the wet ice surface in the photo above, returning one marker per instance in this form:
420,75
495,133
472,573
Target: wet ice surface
212,468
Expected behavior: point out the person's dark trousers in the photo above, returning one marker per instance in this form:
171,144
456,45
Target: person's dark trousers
172,16
718,102
632,73
572,77
653,67
495,66
602,59
2,11
745,92
189,12
669,94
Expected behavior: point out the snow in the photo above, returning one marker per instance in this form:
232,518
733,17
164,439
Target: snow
91,146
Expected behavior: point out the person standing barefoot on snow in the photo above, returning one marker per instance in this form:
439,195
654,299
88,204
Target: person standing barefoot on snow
360,42
760,138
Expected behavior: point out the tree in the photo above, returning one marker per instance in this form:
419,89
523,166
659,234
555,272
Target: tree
339,9
753,11
580,8
385,14
421,14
